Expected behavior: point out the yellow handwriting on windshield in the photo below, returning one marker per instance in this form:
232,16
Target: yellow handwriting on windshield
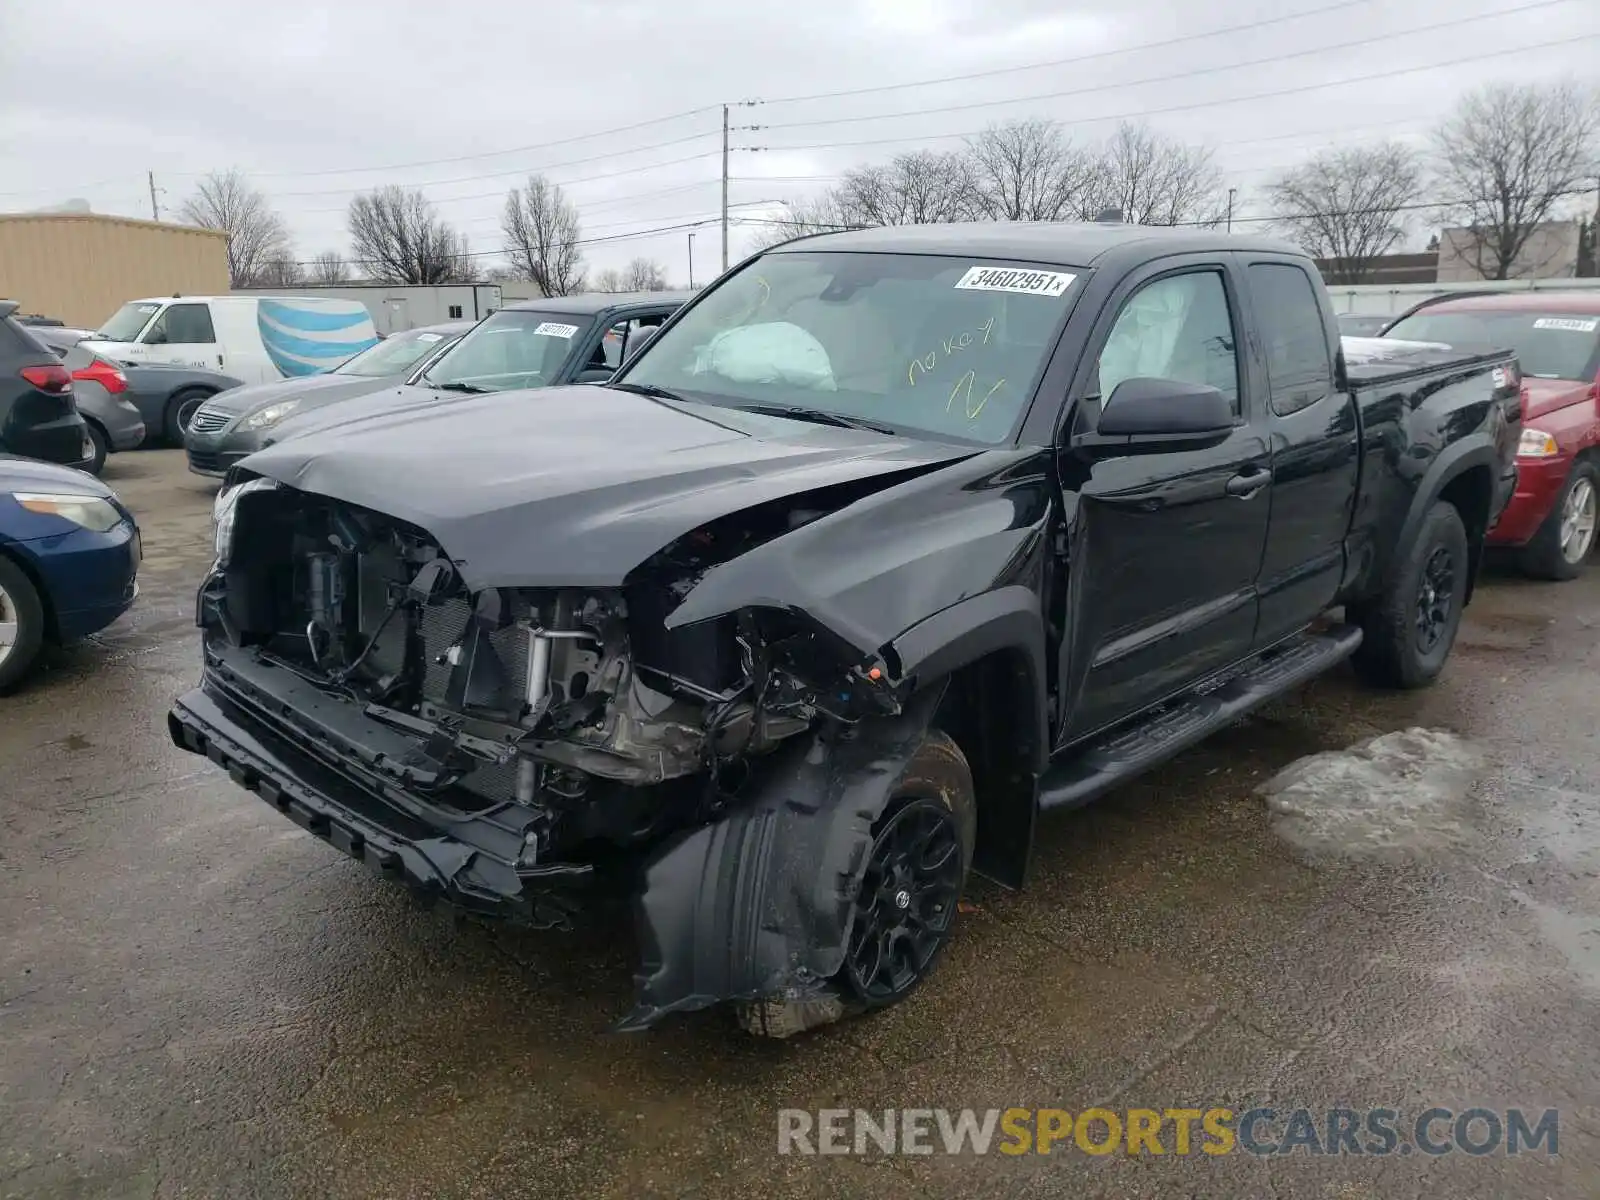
949,347
964,389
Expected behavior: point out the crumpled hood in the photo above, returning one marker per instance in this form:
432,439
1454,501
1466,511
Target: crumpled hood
309,389
31,475
1547,395
572,486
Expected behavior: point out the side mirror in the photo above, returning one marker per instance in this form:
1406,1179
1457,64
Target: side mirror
1164,410
594,375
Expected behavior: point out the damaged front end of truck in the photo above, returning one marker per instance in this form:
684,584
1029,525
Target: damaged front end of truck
683,733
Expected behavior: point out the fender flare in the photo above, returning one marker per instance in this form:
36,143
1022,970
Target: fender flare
1453,461
1007,618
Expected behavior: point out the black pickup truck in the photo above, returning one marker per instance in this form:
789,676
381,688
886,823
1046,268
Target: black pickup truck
890,541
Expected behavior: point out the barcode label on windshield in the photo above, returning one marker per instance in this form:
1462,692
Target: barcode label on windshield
1570,324
1011,279
554,329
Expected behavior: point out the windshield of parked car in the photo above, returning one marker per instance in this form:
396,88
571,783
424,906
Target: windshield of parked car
914,343
511,349
1550,345
395,355
127,322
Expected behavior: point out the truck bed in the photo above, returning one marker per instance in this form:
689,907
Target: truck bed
1371,362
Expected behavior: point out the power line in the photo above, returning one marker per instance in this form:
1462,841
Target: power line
1170,77
1501,52
1077,58
437,162
672,162
571,162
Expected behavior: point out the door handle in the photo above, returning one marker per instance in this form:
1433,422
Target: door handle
1248,483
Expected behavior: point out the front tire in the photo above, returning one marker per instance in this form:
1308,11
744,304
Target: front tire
1409,629
180,409
916,871
1561,547
21,624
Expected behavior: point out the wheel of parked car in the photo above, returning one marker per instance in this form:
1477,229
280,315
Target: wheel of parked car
1409,629
102,447
1563,543
916,870
180,410
21,623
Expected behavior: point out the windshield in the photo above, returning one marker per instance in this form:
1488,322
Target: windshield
947,346
511,349
395,355
1549,345
127,322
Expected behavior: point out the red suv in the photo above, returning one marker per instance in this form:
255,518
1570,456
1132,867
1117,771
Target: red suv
1552,517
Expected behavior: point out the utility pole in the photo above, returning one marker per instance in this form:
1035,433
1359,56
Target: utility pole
155,209
1231,192
724,187
691,260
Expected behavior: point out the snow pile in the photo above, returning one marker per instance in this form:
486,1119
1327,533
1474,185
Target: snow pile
1400,794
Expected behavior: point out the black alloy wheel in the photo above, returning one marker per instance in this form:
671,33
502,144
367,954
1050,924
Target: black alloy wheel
907,902
1435,599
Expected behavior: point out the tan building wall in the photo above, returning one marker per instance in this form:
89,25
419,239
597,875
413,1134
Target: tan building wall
81,267
1551,252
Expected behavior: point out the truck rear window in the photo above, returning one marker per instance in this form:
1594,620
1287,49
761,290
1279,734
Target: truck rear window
1550,345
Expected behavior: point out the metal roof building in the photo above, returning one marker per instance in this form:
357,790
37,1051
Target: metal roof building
81,267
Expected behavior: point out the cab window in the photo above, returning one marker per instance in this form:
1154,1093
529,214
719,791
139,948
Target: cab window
181,325
1178,328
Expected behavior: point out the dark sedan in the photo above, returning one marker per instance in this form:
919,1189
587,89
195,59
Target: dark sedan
242,421
69,559
165,396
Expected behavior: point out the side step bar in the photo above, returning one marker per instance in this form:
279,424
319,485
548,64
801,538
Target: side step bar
1132,750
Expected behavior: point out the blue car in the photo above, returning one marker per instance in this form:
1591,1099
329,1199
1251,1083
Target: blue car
69,559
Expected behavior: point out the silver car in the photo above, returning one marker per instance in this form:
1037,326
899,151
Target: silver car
239,422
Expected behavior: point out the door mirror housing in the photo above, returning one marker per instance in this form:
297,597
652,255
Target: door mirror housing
1164,410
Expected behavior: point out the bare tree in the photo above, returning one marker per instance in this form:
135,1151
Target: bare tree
799,218
541,232
280,271
1347,206
225,200
1028,171
329,267
399,238
911,189
1508,156
608,280
644,275
1155,180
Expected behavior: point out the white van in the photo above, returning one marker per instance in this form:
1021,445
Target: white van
257,339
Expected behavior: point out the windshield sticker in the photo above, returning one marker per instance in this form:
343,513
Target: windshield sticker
1009,279
147,309
430,337
1570,324
556,329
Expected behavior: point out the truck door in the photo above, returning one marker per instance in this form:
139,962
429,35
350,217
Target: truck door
183,336
1166,542
1314,443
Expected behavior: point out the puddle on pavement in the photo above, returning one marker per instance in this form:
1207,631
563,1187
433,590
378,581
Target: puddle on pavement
1398,795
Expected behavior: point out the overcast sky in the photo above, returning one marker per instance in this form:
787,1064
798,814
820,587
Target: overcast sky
318,101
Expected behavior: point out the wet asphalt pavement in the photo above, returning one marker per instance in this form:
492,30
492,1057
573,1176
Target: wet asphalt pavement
199,999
